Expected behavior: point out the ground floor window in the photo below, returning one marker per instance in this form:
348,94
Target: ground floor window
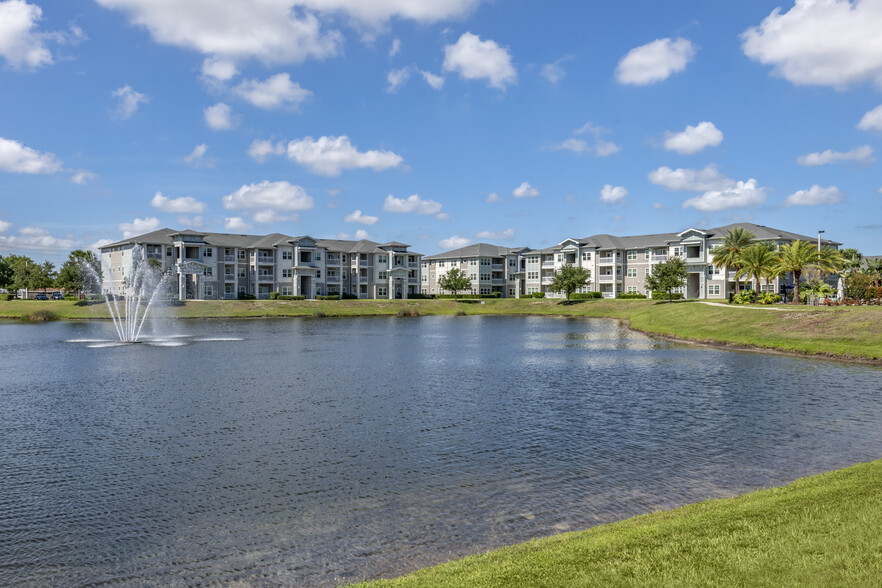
209,290
382,291
713,289
228,289
362,289
424,291
241,289
632,289
285,290
485,290
511,292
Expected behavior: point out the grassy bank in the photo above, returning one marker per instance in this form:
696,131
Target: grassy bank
818,531
847,332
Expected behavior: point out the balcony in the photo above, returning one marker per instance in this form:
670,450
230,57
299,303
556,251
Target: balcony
413,264
333,260
229,258
699,259
265,277
606,260
546,280
498,281
606,278
498,266
332,278
659,258
153,255
229,277
265,259
548,264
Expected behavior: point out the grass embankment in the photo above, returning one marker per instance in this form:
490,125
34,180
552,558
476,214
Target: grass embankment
846,332
817,531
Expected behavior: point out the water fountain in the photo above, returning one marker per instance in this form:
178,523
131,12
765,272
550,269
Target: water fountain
140,288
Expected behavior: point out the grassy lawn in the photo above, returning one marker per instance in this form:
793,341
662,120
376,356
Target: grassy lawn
854,332
817,531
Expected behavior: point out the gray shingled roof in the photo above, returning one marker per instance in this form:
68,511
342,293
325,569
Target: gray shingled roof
477,250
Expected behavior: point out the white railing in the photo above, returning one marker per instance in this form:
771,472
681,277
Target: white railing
606,260
264,259
605,278
659,258
265,277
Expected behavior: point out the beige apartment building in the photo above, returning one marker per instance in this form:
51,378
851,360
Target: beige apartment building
490,268
210,266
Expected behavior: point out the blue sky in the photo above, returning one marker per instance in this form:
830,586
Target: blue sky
437,123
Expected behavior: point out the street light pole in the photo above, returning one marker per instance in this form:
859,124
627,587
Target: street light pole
819,240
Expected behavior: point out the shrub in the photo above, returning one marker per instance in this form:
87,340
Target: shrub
745,297
660,295
631,296
408,312
319,314
327,297
347,296
769,298
420,296
274,295
243,296
466,296
585,295
460,313
538,294
286,297
7,297
41,316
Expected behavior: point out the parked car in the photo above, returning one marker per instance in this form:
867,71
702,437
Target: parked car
57,296
41,297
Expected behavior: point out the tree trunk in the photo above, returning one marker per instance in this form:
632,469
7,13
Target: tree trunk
796,276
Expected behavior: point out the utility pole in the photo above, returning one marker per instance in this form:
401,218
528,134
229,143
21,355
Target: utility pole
819,240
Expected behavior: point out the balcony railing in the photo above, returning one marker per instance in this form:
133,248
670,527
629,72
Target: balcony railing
413,264
333,260
606,260
606,278
698,259
331,278
265,259
229,258
497,266
265,277
548,263
547,280
153,255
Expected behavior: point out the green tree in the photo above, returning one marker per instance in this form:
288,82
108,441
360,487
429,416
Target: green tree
569,278
80,272
794,258
758,261
726,256
455,280
668,275
6,272
852,260
873,267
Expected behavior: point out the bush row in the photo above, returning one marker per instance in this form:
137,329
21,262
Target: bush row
467,296
632,296
664,295
585,295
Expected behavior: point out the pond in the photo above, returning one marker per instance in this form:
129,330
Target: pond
314,452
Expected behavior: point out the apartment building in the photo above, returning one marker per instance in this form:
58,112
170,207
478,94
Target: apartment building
490,268
208,266
622,264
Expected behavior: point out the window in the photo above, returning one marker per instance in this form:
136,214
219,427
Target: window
473,277
384,276
411,258
228,270
473,262
241,272
485,261
440,264
287,273
209,252
646,254
645,272
632,255
285,290
713,290
511,292
485,276
532,275
209,290
241,289
586,256
318,274
382,291
383,259
677,251
287,254
632,289
240,254
344,258
485,290
318,256
209,271
168,251
632,272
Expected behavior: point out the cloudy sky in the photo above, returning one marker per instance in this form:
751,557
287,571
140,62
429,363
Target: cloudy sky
437,122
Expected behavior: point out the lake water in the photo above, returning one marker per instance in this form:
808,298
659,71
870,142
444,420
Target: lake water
313,452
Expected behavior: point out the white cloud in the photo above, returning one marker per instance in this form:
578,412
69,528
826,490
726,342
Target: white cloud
266,195
271,216
376,12
496,235
814,196
20,43
236,224
184,204
342,235
820,42
738,196
453,242
274,92
218,69
358,217
16,158
191,222
139,226
437,82
694,139
97,245
412,203
654,61
272,32
599,147
525,190
197,157
492,197
129,102
692,180
260,149
862,154
362,234
219,117
38,239
328,156
4,225
396,78
475,59
81,176
658,206
611,194
395,48
554,72
872,120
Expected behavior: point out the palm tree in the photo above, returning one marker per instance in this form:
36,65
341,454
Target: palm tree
851,262
874,268
756,260
794,257
726,255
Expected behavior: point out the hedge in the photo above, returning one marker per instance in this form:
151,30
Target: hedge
585,295
286,297
274,295
632,296
664,296
538,294
327,297
466,296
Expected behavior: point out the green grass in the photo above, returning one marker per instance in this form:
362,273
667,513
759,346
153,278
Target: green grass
817,531
845,332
